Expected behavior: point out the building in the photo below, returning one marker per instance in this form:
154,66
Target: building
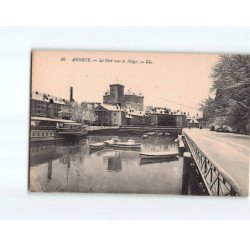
115,95
135,117
193,123
45,105
165,117
180,118
110,115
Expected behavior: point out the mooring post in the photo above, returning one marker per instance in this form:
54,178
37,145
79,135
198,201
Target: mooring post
187,158
182,148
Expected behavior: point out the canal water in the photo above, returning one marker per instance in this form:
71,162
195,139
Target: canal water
65,167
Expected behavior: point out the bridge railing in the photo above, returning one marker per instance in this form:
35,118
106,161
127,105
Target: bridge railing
218,183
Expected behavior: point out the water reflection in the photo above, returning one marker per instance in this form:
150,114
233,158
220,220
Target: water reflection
74,168
114,164
49,175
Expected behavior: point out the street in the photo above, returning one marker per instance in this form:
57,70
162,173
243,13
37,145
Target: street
229,151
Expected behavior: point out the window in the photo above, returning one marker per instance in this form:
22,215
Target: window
114,114
114,120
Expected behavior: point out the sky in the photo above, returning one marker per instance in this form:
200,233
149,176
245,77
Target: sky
174,80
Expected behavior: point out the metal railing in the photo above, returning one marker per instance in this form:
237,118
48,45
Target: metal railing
216,181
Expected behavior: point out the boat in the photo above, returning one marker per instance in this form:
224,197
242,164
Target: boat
50,129
129,144
44,129
111,141
150,133
167,134
144,136
97,145
158,155
160,160
70,129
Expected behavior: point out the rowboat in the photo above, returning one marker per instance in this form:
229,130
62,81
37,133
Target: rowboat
129,144
160,160
158,155
96,145
144,136
111,141
150,133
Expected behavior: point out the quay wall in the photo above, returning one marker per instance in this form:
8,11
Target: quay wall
136,130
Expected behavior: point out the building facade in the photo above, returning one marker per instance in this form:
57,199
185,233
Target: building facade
45,105
165,117
135,117
110,115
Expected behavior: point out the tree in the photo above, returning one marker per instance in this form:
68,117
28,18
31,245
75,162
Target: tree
207,107
83,113
231,86
88,115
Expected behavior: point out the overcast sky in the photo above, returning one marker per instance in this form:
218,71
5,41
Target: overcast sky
177,81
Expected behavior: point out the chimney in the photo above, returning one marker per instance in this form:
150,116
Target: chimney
71,94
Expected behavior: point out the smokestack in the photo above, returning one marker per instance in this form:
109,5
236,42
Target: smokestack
71,94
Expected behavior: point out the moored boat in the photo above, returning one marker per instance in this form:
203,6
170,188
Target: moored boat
110,141
150,133
43,129
129,144
71,129
144,136
50,129
158,155
160,160
97,145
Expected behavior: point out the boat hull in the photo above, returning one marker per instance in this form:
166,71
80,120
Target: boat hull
162,160
39,135
125,146
96,146
158,156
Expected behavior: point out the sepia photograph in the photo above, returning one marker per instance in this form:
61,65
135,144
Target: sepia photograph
139,123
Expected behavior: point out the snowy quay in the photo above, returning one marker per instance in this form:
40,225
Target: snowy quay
133,129
221,160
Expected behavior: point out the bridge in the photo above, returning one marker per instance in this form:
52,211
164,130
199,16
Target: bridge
222,160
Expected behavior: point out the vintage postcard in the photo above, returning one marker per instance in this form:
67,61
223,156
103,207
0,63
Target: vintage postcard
148,123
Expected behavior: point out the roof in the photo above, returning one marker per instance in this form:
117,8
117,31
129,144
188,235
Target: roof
159,111
128,116
116,84
36,118
38,96
193,121
135,112
178,112
111,107
131,92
